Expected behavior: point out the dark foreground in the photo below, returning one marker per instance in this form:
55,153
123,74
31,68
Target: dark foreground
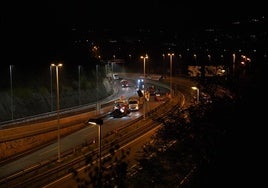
240,158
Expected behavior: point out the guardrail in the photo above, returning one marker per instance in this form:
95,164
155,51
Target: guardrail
52,115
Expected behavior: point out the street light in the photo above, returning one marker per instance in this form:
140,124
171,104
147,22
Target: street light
170,80
51,88
209,58
79,70
234,64
195,60
163,55
97,82
58,106
197,93
11,91
144,59
98,122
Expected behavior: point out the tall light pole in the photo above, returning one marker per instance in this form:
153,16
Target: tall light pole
164,57
58,107
170,79
79,71
51,89
144,60
11,91
197,93
97,82
195,60
234,65
98,122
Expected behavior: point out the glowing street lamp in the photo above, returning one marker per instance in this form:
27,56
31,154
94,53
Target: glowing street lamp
234,57
164,56
51,89
197,93
195,59
209,58
144,60
58,107
98,122
170,79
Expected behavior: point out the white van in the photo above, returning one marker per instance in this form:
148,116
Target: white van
133,103
115,76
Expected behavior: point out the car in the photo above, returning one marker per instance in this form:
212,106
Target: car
120,109
124,83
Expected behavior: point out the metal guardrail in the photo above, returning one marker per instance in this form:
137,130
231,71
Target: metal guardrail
50,115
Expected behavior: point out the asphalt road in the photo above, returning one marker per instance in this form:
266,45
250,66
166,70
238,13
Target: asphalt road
76,139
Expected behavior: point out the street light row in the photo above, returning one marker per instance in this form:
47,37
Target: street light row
57,66
79,70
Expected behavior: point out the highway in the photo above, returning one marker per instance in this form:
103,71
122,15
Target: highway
89,133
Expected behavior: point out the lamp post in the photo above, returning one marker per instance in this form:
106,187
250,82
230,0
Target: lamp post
113,63
11,91
58,107
195,60
79,94
97,82
144,60
98,122
170,79
51,88
163,55
197,93
234,65
209,58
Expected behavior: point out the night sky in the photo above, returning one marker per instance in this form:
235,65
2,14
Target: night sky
37,27
121,13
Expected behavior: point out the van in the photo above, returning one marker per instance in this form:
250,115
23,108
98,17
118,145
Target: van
133,103
115,76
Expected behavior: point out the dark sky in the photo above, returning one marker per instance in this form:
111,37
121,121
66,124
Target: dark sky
121,13
32,27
